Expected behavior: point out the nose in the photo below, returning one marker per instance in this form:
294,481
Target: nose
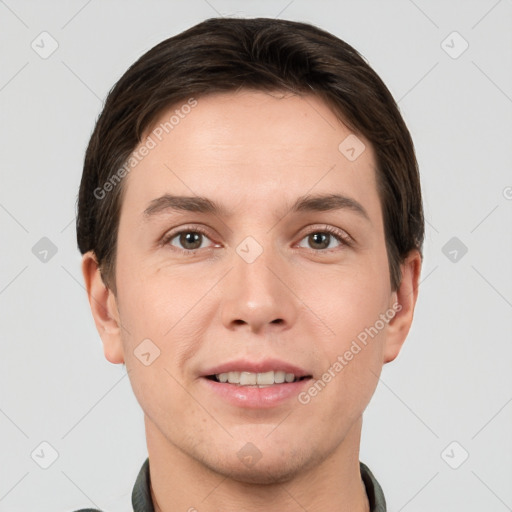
258,295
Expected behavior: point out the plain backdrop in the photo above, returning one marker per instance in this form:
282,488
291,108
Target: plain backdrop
437,433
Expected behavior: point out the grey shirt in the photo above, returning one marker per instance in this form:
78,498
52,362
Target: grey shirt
141,494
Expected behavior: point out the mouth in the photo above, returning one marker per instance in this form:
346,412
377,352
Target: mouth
259,380
257,385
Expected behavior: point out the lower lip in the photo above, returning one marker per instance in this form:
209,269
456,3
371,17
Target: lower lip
254,397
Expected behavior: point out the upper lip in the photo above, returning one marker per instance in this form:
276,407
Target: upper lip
266,365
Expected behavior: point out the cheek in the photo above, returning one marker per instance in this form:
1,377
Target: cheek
346,299
351,359
165,316
154,300
351,305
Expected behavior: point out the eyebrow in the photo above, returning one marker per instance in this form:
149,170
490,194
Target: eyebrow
199,204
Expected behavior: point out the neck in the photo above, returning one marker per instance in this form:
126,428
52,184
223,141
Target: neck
181,482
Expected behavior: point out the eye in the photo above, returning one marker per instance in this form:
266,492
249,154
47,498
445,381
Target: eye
190,240
322,239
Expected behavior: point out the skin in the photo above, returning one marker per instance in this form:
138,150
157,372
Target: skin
254,153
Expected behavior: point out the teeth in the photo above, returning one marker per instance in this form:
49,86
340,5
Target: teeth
233,377
265,378
253,379
279,377
247,379
289,377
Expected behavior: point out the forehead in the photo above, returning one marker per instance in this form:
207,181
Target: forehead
251,147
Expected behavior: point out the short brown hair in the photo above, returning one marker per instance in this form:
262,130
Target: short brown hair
226,54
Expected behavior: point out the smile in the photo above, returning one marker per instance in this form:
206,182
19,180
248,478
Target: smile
264,379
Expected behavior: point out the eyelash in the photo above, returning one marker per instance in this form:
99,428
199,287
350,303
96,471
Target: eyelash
340,236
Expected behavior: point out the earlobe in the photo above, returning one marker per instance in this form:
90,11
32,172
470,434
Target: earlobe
404,302
104,309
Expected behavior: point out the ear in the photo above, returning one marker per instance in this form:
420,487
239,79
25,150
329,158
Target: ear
104,309
403,302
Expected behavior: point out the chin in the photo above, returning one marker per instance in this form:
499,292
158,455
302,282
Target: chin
275,470
261,474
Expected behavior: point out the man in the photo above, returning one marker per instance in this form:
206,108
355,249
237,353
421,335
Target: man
251,225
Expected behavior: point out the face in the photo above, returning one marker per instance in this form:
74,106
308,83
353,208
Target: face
270,280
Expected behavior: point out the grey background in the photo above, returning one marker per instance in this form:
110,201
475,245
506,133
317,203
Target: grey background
452,380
